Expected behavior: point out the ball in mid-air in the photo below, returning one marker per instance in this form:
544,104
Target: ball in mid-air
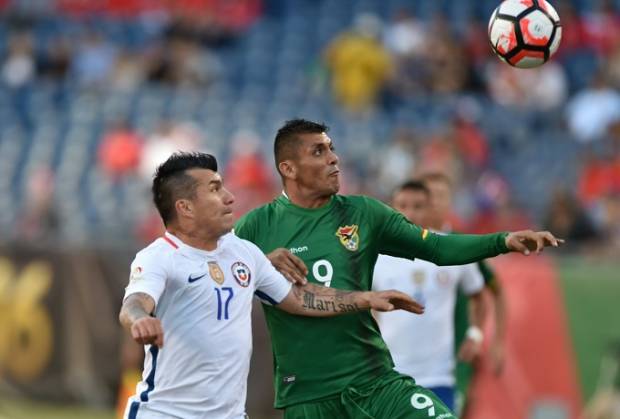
525,33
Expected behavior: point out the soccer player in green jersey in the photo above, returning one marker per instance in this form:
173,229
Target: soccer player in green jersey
441,190
341,368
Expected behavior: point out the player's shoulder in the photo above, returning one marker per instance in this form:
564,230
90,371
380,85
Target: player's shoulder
159,251
359,201
237,244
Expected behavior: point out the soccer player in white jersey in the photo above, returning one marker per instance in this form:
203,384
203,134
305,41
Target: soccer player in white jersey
423,347
190,293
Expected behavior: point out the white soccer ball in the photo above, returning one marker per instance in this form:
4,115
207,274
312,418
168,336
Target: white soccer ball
525,33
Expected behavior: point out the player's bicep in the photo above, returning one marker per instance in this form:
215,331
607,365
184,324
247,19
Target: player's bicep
148,276
271,287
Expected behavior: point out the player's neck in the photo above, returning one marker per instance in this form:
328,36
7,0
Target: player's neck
305,200
200,241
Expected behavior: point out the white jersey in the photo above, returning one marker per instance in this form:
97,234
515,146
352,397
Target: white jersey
422,346
204,302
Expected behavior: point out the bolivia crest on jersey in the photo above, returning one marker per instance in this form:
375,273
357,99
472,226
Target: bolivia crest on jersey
349,237
216,273
242,273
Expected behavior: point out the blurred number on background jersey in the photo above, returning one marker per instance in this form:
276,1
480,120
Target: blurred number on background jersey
422,401
26,338
222,306
323,272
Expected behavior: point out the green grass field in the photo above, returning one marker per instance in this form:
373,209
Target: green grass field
592,294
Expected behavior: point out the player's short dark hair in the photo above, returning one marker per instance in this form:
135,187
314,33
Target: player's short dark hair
286,142
436,177
412,185
172,182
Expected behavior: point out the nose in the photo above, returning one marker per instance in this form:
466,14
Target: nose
333,158
229,198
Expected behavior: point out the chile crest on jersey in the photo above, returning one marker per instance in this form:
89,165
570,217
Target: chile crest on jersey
242,273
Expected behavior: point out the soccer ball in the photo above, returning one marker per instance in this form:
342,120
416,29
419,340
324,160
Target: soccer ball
525,33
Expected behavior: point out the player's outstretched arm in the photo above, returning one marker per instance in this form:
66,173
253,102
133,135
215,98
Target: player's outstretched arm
318,301
460,249
135,317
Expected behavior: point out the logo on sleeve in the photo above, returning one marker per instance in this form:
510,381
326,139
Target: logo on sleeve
242,273
349,237
216,273
136,274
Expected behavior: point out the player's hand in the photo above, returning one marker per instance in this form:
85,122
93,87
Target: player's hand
393,300
498,356
527,241
469,350
289,265
148,330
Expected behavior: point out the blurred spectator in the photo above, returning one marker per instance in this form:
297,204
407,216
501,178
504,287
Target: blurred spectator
55,61
120,151
599,177
405,35
612,67
248,176
591,111
94,61
359,64
445,57
128,72
168,138
395,162
38,220
567,219
18,68
470,140
496,209
18,72
602,27
540,88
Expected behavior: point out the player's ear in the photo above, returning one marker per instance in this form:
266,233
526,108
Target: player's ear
287,169
184,208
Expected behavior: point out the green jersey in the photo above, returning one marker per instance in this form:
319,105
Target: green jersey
314,358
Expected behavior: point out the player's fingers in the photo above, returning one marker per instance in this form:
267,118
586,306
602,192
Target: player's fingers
381,304
519,246
551,239
298,264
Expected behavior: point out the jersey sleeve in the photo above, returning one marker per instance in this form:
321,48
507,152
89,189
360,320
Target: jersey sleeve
270,287
471,280
398,237
148,275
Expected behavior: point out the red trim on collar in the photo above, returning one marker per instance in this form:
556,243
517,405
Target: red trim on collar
173,244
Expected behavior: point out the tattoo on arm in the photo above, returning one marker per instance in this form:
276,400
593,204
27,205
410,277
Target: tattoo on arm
135,307
328,300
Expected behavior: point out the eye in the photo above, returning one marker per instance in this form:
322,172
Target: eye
318,151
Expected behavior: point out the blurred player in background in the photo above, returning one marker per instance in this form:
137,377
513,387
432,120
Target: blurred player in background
424,347
440,219
196,284
346,370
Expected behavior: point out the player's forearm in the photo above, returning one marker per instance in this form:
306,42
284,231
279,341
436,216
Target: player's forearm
478,309
135,307
318,301
499,312
460,249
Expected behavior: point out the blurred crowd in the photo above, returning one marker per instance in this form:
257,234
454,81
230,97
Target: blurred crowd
377,65
372,67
